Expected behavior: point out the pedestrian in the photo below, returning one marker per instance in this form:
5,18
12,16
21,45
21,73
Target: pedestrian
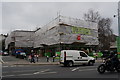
37,57
47,58
29,58
32,58
53,58
96,56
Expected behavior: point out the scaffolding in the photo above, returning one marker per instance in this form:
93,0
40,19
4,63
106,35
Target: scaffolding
65,30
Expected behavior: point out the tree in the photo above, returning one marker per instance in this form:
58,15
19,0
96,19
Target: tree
104,31
92,16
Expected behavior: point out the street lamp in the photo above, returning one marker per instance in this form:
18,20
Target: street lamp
118,38
119,18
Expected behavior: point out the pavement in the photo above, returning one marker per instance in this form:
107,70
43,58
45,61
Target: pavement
41,61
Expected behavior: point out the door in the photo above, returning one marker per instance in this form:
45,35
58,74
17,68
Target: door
83,57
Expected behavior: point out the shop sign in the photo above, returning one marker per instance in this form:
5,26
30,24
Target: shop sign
81,30
78,37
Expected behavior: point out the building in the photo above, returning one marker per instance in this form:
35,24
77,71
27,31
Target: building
20,39
60,34
65,33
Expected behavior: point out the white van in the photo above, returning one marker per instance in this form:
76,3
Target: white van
72,57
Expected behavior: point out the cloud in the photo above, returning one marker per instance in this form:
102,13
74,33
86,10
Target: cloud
28,15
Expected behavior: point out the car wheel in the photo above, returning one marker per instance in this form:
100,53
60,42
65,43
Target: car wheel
90,63
70,64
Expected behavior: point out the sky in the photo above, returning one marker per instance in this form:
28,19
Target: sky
29,15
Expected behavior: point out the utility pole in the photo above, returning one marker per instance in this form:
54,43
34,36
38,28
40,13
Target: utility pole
119,18
118,39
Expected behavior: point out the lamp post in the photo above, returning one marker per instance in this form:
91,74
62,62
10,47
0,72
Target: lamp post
119,18
118,39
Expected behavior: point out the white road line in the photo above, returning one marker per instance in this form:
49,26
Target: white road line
45,70
5,66
36,73
87,70
13,66
75,69
21,71
1,60
86,67
8,75
24,74
48,73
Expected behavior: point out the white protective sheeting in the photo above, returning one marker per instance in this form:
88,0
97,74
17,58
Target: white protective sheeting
60,30
21,38
53,33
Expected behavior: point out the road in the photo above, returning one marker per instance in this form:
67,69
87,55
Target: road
53,71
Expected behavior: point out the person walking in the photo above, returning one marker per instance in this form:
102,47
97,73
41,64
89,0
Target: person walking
47,57
96,56
29,58
32,58
37,57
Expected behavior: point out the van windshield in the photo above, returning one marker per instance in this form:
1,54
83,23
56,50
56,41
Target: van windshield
83,54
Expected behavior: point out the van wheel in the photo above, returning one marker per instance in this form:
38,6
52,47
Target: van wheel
70,63
90,63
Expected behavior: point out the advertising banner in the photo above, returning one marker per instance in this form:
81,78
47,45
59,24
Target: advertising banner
81,30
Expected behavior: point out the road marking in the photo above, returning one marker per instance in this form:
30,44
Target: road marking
13,66
36,73
45,70
21,71
24,74
75,69
1,60
48,73
5,66
8,75
87,69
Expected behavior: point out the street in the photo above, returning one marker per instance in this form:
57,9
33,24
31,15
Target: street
52,71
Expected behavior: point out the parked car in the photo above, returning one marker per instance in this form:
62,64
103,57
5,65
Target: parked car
1,52
75,57
5,54
22,55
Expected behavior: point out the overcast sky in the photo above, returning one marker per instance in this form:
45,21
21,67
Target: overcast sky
29,15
